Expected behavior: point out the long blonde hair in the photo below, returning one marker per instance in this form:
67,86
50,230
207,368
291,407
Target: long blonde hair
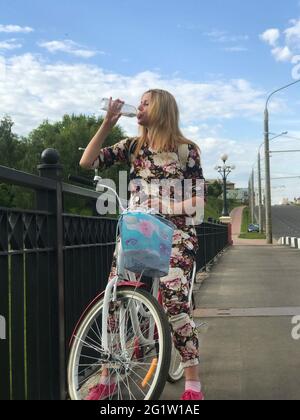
164,128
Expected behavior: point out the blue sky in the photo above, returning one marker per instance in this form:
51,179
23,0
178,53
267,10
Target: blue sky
220,58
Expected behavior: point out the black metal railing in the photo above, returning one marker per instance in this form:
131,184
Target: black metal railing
52,264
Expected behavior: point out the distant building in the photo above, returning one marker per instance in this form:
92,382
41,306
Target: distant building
230,185
239,194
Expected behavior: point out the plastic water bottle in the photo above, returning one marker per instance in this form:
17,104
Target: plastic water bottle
126,110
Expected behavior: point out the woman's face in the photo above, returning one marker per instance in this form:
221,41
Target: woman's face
143,116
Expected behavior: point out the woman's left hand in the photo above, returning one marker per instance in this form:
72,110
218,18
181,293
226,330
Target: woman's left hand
160,205
153,203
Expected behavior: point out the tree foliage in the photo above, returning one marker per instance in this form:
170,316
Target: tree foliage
66,136
215,190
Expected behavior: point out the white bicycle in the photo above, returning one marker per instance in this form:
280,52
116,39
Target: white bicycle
126,332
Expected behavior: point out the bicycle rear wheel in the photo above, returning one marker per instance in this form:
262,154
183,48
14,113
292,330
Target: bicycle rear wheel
139,349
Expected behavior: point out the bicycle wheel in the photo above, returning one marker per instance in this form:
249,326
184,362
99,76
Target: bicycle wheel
139,349
176,370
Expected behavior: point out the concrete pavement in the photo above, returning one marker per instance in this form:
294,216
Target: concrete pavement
248,301
252,357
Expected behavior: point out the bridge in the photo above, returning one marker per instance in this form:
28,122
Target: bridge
52,265
248,300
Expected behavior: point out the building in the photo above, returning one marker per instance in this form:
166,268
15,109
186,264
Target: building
230,185
239,194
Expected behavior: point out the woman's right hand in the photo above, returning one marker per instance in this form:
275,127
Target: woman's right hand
114,112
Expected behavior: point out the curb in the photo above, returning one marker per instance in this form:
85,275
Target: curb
291,242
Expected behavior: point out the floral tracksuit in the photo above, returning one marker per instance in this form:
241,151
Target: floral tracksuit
175,286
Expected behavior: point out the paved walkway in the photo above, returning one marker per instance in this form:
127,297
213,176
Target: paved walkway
248,302
248,351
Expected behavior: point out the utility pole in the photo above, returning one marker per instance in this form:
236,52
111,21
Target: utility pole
260,219
253,197
269,227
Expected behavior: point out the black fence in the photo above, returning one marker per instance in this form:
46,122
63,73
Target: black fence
52,265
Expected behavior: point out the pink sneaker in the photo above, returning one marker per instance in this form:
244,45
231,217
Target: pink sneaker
101,392
192,395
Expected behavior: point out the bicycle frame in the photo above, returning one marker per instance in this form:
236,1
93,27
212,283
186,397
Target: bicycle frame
111,296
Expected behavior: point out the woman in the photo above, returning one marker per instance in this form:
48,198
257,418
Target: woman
156,155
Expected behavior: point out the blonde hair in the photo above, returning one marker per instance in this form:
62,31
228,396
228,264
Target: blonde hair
164,129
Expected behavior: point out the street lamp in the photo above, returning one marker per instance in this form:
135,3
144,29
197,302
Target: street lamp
224,171
269,230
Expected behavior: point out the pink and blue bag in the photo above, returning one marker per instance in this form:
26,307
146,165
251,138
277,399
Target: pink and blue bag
146,243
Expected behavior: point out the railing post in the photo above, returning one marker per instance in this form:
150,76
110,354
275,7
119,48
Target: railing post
53,203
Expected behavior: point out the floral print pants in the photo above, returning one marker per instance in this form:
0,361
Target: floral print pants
175,289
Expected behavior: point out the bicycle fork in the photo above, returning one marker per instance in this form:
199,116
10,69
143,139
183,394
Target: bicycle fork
135,310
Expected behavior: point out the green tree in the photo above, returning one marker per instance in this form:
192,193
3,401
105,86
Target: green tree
66,136
12,150
10,147
215,190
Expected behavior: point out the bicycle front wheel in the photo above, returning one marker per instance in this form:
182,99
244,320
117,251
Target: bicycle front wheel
176,369
138,359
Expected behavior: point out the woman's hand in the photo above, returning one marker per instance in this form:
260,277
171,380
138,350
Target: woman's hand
114,112
159,204
153,203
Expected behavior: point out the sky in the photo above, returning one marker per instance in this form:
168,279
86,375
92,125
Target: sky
219,58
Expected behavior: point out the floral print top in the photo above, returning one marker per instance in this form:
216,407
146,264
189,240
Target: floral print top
151,166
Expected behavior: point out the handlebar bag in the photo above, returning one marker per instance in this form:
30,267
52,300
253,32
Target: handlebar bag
146,243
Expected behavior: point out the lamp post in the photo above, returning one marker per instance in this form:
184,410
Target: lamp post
269,229
224,171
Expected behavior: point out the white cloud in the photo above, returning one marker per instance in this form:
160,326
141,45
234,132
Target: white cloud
271,36
236,49
10,44
293,34
225,37
33,90
69,47
282,54
289,51
16,29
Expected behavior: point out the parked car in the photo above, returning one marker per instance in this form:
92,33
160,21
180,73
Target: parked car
253,228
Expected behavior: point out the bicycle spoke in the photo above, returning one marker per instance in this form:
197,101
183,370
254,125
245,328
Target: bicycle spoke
98,349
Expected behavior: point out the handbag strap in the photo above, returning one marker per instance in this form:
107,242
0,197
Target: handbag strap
183,152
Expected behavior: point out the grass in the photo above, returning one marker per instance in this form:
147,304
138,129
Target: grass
246,220
252,235
214,207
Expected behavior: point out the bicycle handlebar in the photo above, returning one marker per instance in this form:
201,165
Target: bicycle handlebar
86,181
96,182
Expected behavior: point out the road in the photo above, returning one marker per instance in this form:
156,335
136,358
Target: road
286,221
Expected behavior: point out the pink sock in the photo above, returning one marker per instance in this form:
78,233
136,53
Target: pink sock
193,386
107,380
